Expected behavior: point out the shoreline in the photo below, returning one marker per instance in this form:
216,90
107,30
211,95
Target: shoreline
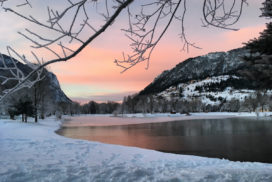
34,152
132,119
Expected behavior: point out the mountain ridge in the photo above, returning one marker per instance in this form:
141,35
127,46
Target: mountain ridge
200,67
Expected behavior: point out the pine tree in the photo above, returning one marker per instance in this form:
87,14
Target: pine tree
259,68
25,108
263,44
267,9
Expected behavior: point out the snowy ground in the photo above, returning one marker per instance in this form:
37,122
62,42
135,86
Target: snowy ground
33,152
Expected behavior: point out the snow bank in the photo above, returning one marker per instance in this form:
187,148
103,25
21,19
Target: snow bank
33,152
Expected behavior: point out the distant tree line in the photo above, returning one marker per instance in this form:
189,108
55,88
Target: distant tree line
99,108
254,102
26,107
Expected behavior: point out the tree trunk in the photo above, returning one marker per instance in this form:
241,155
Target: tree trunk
42,107
11,117
35,104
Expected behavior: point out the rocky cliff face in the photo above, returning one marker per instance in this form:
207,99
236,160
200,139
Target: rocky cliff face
55,89
199,68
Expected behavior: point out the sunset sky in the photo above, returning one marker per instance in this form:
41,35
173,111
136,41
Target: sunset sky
92,75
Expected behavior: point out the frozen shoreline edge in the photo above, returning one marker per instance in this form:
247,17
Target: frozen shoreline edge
128,119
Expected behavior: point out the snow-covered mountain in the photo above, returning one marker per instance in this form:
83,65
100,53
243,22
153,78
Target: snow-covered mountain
213,78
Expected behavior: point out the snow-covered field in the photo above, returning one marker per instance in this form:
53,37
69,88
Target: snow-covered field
33,152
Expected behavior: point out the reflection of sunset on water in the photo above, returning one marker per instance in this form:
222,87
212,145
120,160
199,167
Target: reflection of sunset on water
232,138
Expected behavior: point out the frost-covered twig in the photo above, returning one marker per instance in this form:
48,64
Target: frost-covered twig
14,73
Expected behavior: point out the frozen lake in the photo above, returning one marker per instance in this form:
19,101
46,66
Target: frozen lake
237,139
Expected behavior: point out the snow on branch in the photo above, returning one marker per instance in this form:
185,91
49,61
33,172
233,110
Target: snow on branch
13,72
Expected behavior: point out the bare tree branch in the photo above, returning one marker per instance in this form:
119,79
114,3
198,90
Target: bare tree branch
68,26
24,81
144,34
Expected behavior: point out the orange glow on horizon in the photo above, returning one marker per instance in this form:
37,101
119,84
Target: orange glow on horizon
95,67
